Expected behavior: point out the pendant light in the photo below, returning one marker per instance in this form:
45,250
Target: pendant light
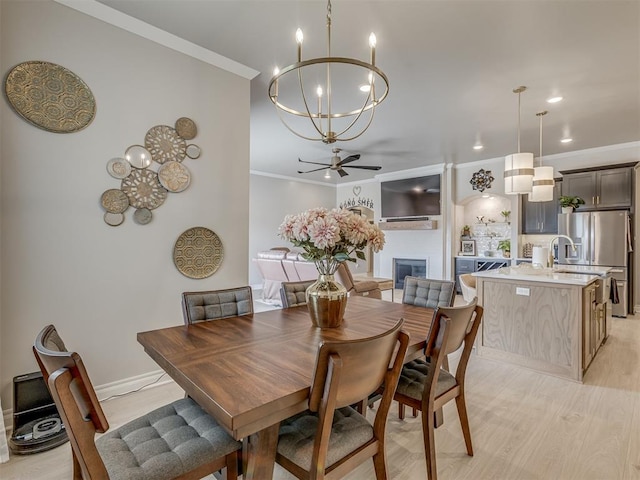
518,167
543,182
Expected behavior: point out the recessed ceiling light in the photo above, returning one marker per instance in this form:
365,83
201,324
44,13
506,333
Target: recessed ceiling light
554,99
567,140
478,147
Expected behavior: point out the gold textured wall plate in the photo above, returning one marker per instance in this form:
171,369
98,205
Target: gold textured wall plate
144,189
174,176
198,252
114,201
165,144
50,97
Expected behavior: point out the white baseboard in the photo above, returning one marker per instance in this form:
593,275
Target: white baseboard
104,392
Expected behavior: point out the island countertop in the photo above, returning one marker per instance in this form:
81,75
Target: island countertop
559,274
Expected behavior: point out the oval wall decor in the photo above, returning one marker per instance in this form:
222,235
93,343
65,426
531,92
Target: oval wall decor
50,97
198,252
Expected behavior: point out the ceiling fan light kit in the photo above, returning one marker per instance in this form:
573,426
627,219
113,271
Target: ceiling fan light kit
338,165
543,183
518,167
326,121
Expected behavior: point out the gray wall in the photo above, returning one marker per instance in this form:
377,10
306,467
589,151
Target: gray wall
60,263
271,200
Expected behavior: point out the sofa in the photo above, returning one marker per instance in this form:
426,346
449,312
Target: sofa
281,264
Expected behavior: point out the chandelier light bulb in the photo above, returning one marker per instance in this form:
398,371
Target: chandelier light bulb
319,91
299,36
554,99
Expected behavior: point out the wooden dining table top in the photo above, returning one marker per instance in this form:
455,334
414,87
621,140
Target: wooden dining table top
251,372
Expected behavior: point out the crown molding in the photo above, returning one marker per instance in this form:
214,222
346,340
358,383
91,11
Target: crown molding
291,179
142,29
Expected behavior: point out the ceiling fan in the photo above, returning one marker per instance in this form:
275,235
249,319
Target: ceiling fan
337,164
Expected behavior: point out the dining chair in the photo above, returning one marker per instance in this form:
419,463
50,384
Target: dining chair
294,293
178,440
331,438
365,288
425,292
427,386
216,304
468,286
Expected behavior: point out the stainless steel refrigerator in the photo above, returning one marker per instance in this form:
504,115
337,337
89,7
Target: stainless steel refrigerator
603,239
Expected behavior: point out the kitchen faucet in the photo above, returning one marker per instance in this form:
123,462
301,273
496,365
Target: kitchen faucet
551,259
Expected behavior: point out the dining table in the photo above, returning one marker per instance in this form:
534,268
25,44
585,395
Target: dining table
250,372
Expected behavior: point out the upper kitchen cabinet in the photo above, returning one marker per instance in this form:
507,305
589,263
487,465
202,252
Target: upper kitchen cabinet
600,189
541,217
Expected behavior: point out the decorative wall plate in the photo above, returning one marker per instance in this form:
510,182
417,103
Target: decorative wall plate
481,180
50,97
186,128
113,219
138,156
118,168
114,201
198,252
142,216
193,151
174,176
143,189
165,144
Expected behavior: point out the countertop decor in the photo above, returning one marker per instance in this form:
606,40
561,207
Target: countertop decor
50,97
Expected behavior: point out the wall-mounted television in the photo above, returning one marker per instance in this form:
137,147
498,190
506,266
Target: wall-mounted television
410,197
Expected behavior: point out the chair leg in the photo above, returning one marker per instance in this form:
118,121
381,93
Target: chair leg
464,422
401,410
232,466
415,412
380,465
77,470
360,407
428,432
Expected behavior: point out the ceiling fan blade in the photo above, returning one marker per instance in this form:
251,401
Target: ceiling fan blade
315,163
364,167
342,172
350,158
315,170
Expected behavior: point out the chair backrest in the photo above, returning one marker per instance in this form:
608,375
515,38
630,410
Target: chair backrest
294,293
343,275
75,398
424,292
468,286
462,325
355,368
215,304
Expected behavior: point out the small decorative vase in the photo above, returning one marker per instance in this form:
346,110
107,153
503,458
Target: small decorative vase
326,301
567,209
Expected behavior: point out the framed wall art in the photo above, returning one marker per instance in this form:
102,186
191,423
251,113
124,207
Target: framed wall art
468,247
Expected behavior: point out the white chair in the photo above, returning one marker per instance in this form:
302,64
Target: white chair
468,287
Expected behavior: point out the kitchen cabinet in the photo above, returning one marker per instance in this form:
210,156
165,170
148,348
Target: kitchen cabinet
470,265
541,217
601,189
588,325
463,265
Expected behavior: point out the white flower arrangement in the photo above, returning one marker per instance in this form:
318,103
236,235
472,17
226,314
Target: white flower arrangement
329,237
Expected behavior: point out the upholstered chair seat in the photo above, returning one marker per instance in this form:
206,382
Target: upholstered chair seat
414,375
214,304
164,444
424,292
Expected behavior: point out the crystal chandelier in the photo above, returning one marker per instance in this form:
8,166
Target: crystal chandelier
343,107
518,167
543,182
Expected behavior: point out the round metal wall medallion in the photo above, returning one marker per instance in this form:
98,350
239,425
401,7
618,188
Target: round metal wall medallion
114,201
186,128
165,144
198,252
174,176
138,156
118,168
50,97
142,216
113,219
193,151
143,189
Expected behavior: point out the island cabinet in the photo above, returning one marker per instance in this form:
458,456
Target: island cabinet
600,189
546,324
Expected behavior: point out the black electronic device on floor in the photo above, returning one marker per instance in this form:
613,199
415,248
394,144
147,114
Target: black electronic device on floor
36,423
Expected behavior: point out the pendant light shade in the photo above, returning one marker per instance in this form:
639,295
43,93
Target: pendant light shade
518,167
543,183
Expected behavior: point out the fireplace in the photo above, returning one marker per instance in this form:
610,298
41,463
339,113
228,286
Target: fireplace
402,267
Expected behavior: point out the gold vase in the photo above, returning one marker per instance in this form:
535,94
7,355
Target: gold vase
326,300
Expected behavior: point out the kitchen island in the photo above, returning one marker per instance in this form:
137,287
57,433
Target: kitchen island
552,320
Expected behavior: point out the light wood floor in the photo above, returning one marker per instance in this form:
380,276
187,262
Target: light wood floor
524,425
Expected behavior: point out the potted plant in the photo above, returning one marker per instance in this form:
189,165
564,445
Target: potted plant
505,247
569,203
506,214
466,231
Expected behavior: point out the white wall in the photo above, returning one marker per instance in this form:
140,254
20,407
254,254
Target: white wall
60,263
274,198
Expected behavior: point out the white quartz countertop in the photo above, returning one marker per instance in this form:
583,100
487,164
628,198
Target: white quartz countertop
559,274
